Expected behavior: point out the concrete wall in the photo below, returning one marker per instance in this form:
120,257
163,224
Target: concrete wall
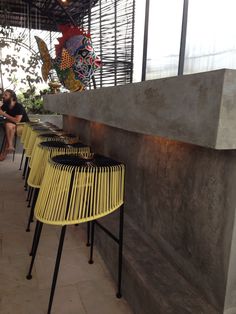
181,197
175,136
197,108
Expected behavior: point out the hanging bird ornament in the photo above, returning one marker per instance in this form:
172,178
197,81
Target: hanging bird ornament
76,60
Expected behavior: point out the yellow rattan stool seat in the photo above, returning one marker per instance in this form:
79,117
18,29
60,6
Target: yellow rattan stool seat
44,151
26,129
76,190
33,135
45,137
29,130
24,133
19,128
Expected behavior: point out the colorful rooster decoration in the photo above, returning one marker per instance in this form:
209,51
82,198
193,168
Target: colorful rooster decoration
76,60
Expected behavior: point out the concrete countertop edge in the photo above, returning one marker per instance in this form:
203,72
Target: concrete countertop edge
108,114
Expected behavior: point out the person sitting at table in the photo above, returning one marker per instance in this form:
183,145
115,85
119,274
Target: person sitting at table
13,112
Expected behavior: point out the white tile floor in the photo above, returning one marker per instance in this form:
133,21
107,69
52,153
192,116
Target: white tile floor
81,288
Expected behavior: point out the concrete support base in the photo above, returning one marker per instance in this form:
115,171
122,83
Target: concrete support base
180,210
177,137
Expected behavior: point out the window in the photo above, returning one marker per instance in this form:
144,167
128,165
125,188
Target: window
211,35
165,20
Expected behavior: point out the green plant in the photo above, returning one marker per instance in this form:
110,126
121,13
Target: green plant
33,101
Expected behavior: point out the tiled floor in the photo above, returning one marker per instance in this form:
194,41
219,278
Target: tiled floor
81,288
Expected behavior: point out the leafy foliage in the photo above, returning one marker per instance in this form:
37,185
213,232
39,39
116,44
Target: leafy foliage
33,101
15,64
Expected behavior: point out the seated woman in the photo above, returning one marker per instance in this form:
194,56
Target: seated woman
14,113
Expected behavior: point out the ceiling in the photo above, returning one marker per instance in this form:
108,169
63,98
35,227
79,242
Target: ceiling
44,14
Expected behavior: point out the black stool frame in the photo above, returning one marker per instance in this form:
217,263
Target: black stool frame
22,158
118,240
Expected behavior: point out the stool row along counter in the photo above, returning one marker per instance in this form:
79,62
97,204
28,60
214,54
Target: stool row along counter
68,184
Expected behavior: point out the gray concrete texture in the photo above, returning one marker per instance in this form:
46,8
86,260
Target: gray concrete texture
180,206
180,198
197,108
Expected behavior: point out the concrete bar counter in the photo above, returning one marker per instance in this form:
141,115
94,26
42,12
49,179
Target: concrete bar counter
177,137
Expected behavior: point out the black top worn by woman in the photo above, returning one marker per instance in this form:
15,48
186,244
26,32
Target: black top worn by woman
17,110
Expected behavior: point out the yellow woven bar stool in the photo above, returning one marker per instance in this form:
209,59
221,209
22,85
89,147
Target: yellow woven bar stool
30,128
76,190
26,126
43,152
23,138
34,132
55,135
32,142
45,137
19,128
51,134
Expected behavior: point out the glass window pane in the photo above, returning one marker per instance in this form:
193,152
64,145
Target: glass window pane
211,35
138,39
165,23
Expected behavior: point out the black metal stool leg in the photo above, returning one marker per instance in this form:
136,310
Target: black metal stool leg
36,192
3,143
56,269
30,196
92,242
26,178
25,167
34,239
14,152
120,259
35,248
88,233
22,158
